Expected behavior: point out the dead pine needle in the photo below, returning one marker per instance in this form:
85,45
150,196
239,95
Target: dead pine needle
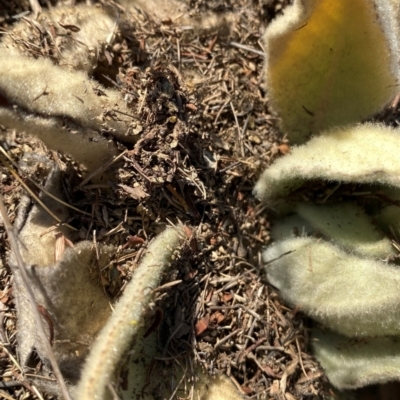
40,187
36,198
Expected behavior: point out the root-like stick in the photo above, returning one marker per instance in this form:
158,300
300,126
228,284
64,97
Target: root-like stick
35,311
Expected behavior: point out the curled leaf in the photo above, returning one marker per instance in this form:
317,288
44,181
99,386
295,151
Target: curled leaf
126,325
351,295
362,154
50,95
67,293
330,63
345,224
75,35
63,108
351,363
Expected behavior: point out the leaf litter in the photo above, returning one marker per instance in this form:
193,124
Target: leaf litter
205,134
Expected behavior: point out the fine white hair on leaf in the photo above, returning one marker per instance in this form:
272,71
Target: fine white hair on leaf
365,153
182,15
66,287
351,364
352,295
62,108
77,33
126,322
345,224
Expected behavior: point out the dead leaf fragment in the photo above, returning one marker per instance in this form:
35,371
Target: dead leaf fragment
284,148
217,318
72,28
137,192
202,325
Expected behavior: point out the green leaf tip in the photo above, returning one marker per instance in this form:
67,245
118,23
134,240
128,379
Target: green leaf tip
330,63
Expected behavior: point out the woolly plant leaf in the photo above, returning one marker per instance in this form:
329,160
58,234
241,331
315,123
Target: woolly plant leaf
79,32
62,108
182,14
70,295
330,63
58,103
141,385
389,219
138,382
66,289
291,226
351,363
126,323
387,215
361,154
345,224
351,295
216,388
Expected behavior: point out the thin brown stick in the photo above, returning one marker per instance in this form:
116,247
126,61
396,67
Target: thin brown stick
102,169
247,48
40,187
18,178
5,395
300,358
